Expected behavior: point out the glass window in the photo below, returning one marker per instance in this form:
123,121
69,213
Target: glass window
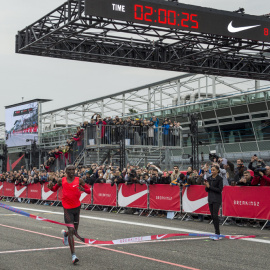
262,129
221,103
207,106
214,135
255,97
238,100
238,132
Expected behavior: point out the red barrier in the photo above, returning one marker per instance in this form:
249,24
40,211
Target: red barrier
246,202
20,191
8,189
34,191
47,194
1,188
134,196
104,194
195,200
86,198
164,197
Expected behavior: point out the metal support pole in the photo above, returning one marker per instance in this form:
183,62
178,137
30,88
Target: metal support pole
178,92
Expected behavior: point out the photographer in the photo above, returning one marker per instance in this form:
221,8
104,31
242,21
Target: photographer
154,177
263,179
245,180
239,170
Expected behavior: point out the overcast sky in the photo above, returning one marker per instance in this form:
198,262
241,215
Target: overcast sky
64,81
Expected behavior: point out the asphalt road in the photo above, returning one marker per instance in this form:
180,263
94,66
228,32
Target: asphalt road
30,244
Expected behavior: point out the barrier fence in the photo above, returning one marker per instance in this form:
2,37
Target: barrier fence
238,202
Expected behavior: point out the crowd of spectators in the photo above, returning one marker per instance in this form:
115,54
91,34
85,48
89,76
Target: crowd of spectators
257,174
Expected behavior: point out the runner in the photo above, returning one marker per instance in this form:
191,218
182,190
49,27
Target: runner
72,187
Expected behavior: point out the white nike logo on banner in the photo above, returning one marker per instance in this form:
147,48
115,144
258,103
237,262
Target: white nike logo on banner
83,195
162,236
1,187
125,201
232,29
46,195
18,193
192,206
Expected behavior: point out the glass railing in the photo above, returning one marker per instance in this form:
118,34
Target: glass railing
133,135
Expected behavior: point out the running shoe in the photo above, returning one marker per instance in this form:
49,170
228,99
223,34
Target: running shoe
65,239
74,259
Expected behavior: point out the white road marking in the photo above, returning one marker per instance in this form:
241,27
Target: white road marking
144,225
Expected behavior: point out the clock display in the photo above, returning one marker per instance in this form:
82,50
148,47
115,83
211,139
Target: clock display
183,17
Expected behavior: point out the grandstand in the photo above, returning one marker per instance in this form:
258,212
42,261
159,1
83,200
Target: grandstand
234,124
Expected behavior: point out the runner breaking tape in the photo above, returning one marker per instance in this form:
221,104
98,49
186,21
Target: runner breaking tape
71,203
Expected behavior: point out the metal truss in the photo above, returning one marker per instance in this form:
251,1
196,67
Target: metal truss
147,100
67,33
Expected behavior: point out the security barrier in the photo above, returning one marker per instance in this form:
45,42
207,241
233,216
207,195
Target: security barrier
239,202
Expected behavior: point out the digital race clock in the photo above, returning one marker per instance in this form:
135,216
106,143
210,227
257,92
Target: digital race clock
182,17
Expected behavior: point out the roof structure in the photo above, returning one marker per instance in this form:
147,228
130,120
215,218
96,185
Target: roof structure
68,33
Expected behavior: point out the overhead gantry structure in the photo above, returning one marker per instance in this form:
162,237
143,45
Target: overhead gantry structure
153,34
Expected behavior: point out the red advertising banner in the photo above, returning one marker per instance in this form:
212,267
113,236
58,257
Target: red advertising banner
86,198
164,197
34,191
104,194
20,191
8,189
246,202
1,188
195,200
134,196
47,194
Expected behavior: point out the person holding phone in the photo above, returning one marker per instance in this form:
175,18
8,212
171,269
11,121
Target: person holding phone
214,187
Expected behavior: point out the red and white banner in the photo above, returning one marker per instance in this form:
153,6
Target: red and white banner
86,198
134,196
195,200
8,189
246,202
20,191
164,197
1,188
104,194
47,194
34,191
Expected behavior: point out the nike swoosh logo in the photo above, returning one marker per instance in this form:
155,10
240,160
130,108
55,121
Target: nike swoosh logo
18,193
192,206
83,195
46,195
40,218
232,29
91,242
160,237
125,201
1,187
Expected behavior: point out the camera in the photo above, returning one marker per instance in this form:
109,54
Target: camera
259,168
213,156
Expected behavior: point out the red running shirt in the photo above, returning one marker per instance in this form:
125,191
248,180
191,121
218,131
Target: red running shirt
71,193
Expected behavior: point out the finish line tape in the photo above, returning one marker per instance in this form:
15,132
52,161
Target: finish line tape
119,241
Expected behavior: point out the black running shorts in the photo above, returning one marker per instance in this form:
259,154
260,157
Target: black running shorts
72,215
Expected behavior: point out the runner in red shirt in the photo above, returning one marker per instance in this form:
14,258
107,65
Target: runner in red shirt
72,187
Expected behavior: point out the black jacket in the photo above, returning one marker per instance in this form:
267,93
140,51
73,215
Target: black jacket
215,189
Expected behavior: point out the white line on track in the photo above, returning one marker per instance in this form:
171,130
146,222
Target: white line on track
143,224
